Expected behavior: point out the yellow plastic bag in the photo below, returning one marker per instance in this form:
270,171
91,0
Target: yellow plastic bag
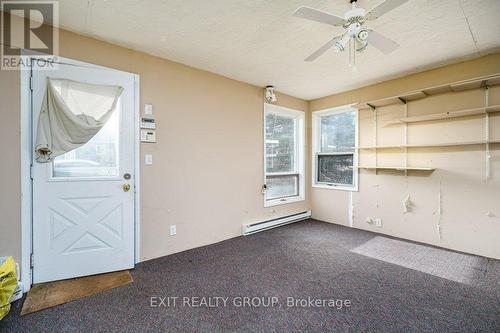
8,283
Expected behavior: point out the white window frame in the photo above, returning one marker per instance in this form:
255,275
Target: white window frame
316,147
299,159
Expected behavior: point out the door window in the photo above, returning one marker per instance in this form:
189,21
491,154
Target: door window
97,158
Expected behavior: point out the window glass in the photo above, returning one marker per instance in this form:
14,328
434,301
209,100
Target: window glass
338,132
284,155
96,158
280,143
282,186
335,141
335,169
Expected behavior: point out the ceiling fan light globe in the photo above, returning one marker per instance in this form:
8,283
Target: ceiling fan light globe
361,46
362,35
341,44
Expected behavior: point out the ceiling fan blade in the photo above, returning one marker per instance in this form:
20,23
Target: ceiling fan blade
322,49
318,16
381,42
383,8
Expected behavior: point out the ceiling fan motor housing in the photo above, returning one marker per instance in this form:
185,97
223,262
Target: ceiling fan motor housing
355,15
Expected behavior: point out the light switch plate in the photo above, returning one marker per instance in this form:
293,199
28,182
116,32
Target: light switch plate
173,230
148,109
148,159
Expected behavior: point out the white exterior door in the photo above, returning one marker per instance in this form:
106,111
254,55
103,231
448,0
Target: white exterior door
83,215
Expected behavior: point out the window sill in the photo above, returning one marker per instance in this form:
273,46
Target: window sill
339,188
282,201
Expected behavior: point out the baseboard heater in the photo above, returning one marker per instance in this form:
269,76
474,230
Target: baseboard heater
274,223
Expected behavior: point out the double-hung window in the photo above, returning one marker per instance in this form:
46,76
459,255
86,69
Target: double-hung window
335,136
284,155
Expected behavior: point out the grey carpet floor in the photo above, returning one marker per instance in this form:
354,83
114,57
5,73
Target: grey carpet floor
459,267
307,259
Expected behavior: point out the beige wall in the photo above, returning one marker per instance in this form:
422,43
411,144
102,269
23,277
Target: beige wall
10,181
208,161
466,197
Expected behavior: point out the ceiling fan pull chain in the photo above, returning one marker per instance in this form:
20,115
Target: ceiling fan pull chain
350,52
353,55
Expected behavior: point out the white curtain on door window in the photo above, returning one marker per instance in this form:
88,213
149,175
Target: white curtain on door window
72,114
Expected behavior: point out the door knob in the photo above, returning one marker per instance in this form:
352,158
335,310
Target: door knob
126,187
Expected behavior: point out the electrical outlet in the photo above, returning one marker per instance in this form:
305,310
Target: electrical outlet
377,222
173,230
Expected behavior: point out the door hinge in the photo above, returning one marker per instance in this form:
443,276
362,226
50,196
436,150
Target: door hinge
32,260
31,171
31,83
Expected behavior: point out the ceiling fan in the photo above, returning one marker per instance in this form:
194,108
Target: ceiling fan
356,36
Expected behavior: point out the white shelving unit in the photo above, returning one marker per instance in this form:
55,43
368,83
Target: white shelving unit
480,82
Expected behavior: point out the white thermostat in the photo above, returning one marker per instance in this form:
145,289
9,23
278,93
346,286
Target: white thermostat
148,136
148,123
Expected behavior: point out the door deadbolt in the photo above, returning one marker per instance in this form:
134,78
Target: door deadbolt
126,187
127,176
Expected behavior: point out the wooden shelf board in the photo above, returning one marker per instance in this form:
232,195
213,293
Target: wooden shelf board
493,109
449,144
467,86
380,147
490,80
398,168
447,115
413,96
426,145
437,90
495,81
380,102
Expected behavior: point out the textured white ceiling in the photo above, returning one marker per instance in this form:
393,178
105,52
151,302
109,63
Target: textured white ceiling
259,42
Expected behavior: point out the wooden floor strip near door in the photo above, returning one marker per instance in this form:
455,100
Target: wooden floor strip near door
46,295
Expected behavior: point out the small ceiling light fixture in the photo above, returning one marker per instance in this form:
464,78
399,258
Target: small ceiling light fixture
270,95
